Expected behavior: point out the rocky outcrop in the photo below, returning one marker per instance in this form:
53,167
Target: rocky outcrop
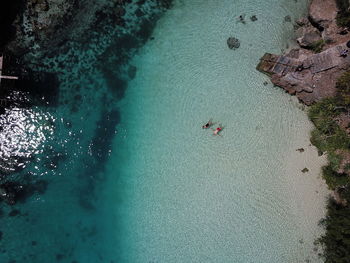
308,35
309,76
302,72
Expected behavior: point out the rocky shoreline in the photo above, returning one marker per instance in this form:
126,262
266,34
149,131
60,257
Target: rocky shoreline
317,72
310,75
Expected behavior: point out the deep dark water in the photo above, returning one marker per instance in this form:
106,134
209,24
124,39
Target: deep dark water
62,110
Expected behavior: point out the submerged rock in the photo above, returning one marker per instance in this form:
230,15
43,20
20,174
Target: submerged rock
305,170
287,19
9,192
241,19
233,43
253,18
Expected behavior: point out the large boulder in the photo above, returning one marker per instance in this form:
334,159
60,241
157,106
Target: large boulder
233,43
322,13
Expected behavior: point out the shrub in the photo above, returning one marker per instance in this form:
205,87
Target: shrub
317,46
336,240
334,179
343,87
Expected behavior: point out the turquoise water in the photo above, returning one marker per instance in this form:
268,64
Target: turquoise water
139,180
186,195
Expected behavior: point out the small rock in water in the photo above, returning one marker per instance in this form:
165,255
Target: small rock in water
253,18
241,19
301,150
287,19
233,43
305,170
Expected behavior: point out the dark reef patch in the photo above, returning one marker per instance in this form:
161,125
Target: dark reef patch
132,71
13,192
104,133
101,145
43,88
8,13
40,88
14,212
116,84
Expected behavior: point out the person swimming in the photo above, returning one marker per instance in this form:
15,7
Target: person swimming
217,130
208,124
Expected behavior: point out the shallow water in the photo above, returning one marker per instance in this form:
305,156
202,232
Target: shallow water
139,180
189,196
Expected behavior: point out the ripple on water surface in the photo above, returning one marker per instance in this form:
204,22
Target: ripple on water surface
190,196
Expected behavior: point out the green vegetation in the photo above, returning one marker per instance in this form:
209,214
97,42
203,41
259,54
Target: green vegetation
343,16
334,179
329,137
343,86
336,241
317,46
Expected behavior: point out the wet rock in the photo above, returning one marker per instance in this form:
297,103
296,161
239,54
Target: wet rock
233,43
305,170
253,18
302,22
287,19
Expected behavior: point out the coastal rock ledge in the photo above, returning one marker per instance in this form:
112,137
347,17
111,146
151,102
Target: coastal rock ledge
311,70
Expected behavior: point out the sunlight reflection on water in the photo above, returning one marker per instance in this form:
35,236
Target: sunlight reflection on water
22,133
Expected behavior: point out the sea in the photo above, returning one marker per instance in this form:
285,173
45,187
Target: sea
120,168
